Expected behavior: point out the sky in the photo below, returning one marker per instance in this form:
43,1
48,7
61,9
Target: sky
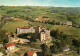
55,3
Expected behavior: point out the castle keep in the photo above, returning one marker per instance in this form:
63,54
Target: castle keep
41,32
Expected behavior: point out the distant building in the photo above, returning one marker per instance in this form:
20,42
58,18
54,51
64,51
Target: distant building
66,23
10,47
30,53
28,29
69,23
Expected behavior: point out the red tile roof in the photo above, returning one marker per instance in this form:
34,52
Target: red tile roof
28,27
10,44
30,53
42,27
9,33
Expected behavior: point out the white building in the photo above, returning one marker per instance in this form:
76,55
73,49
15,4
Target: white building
28,29
10,47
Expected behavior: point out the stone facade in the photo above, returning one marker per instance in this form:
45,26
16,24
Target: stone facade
28,29
43,34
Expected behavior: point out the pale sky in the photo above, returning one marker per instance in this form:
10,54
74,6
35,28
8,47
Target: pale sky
56,3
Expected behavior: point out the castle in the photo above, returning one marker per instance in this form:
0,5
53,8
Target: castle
41,32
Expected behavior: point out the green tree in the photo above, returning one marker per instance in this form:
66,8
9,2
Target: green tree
4,38
45,50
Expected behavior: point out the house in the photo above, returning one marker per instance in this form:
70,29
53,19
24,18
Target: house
8,33
1,45
28,29
1,54
30,53
69,23
66,23
10,47
66,48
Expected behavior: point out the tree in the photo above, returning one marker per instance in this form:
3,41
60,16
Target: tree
76,44
57,47
57,23
54,33
45,50
53,22
33,38
54,49
4,38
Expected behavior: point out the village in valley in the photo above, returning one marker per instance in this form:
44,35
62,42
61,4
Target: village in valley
24,36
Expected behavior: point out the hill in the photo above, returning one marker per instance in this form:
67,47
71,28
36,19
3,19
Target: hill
59,14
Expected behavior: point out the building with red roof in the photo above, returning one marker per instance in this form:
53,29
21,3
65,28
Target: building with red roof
9,33
30,53
27,29
10,46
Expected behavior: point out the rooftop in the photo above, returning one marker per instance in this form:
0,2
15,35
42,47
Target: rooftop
9,33
10,44
27,27
30,53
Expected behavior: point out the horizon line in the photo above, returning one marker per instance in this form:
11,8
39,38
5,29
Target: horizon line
37,5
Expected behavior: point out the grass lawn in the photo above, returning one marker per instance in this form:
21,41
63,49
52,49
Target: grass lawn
67,30
11,26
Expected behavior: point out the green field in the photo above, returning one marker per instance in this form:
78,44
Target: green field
67,30
11,26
